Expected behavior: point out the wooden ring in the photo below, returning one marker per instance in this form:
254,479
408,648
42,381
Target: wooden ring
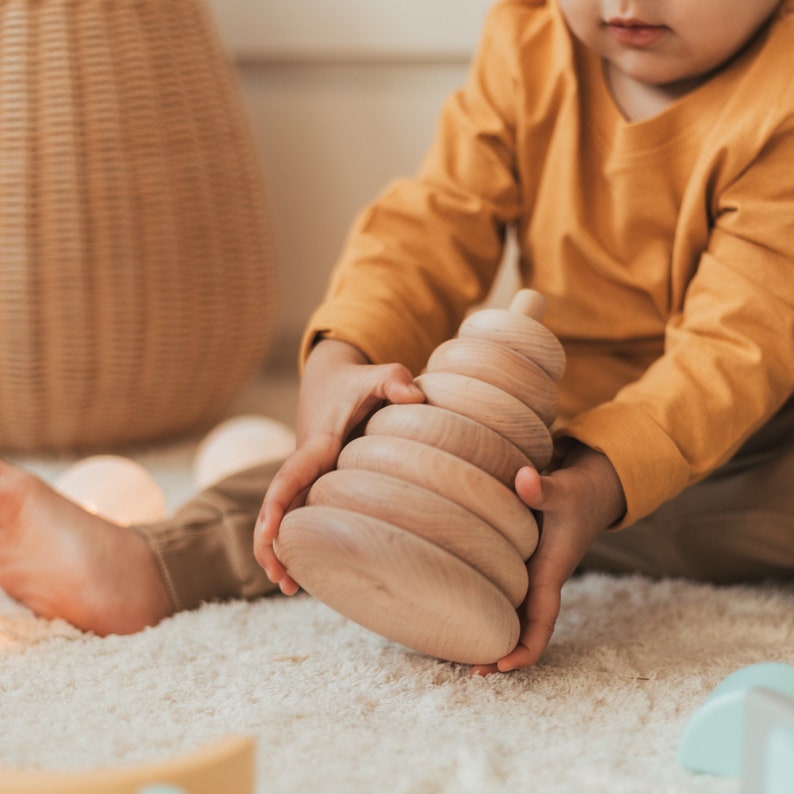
454,433
451,477
520,333
397,584
492,407
430,516
502,367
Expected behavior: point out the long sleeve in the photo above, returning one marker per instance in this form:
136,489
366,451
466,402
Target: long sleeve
430,246
664,247
728,361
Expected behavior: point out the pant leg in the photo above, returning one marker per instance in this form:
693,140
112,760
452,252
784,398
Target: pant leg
205,551
736,525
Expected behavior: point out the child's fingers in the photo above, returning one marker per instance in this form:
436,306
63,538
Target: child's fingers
548,571
534,638
265,553
484,669
288,585
395,383
293,480
541,611
404,393
286,491
535,490
266,557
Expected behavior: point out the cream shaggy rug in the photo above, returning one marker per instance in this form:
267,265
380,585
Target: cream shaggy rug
335,708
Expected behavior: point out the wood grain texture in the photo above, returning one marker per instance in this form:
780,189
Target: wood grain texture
397,584
522,334
493,407
430,516
419,534
502,367
449,476
454,433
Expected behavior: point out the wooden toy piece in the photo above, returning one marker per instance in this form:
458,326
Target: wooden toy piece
418,534
501,367
431,516
401,585
454,433
448,475
491,406
226,765
524,334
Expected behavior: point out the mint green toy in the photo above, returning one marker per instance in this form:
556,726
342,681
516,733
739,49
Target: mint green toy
768,758
718,736
779,763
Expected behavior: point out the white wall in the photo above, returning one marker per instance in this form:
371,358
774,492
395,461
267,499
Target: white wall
289,29
343,96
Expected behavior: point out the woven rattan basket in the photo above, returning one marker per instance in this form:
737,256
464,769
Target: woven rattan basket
136,282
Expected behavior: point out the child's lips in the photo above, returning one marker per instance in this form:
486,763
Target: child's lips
635,32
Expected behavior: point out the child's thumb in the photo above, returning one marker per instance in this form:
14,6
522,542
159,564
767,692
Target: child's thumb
400,387
533,489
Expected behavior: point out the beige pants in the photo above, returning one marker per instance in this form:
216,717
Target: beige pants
737,525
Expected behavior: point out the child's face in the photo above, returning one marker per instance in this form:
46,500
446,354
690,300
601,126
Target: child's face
660,42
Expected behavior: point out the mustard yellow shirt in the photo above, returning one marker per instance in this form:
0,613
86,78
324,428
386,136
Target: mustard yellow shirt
664,247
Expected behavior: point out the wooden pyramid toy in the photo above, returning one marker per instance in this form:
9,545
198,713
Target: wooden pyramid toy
418,534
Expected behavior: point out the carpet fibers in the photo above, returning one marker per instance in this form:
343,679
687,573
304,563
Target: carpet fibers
334,707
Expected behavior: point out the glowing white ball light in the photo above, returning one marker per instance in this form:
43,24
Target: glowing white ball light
241,443
114,487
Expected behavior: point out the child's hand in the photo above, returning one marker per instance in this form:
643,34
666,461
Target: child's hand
339,390
578,502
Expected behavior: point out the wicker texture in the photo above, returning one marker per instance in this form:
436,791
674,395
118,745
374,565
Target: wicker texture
136,281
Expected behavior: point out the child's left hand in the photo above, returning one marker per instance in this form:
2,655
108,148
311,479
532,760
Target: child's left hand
578,502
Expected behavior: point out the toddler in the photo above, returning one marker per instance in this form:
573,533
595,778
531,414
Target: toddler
643,152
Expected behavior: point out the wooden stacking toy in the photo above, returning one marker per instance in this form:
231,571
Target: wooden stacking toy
418,534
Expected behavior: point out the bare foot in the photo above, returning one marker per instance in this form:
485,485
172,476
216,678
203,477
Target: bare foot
63,562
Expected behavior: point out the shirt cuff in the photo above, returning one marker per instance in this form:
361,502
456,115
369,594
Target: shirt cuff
649,465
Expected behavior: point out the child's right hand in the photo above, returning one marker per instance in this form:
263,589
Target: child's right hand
340,389
578,502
